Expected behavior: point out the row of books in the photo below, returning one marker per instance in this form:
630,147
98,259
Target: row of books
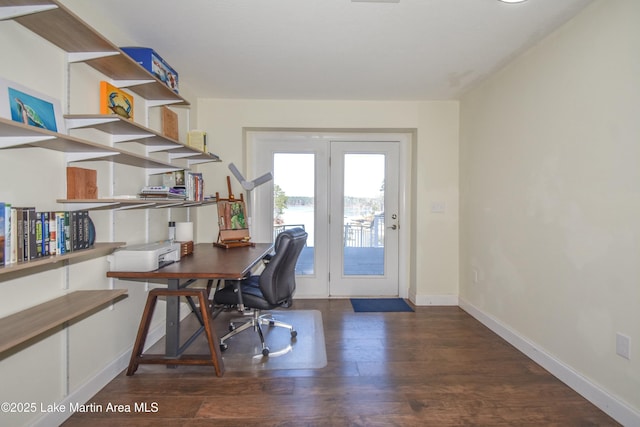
27,234
192,189
194,186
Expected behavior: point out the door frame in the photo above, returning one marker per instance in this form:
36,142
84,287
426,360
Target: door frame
406,213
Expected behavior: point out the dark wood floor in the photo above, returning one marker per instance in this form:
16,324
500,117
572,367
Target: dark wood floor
437,366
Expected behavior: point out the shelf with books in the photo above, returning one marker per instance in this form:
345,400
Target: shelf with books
122,204
51,20
15,134
97,250
28,234
123,130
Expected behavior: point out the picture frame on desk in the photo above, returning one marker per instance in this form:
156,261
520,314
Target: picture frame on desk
232,224
25,105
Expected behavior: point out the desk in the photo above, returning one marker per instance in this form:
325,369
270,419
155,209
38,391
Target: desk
206,262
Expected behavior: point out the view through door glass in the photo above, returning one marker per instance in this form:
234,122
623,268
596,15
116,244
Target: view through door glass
363,260
363,215
345,195
294,201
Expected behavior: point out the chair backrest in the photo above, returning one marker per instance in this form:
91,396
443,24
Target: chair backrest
278,279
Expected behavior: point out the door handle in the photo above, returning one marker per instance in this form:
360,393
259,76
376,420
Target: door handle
393,227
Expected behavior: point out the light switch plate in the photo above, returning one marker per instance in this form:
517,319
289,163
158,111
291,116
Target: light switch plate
623,346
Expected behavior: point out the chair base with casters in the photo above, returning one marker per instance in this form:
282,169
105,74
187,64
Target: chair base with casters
256,321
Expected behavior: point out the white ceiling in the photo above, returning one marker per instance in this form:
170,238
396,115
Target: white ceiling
329,49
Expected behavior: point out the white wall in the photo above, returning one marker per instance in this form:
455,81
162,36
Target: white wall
434,278
72,363
550,198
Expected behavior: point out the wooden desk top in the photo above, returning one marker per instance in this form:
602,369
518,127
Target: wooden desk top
206,262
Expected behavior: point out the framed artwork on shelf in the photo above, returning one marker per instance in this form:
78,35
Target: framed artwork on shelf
24,105
115,101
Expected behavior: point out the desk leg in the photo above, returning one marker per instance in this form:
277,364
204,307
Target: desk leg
172,344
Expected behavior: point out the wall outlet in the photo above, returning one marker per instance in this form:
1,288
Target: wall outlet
623,346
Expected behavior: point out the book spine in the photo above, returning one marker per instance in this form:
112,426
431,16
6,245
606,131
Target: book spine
67,231
3,231
14,235
7,233
46,239
32,239
24,235
53,233
39,232
85,228
61,233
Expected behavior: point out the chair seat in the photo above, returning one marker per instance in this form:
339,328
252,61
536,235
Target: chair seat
251,294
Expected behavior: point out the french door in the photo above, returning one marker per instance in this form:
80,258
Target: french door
363,226
344,192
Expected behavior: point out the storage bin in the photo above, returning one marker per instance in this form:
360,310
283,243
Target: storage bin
154,63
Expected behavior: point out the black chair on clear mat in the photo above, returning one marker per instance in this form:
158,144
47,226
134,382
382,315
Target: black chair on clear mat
273,288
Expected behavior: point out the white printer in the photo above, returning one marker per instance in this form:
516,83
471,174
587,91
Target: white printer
144,257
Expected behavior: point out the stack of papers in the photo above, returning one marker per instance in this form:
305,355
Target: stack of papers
161,192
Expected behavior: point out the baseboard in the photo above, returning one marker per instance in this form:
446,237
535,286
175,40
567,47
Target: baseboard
608,403
86,391
433,299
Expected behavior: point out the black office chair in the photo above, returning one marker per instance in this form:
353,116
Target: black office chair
273,288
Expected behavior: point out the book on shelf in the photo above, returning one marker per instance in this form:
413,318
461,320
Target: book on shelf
3,220
197,139
30,234
13,236
23,232
27,234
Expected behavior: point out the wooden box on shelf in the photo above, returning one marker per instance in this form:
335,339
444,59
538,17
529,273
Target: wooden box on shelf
81,183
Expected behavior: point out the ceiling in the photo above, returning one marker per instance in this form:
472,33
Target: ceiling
329,49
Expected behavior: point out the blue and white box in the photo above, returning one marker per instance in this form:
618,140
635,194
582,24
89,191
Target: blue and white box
154,63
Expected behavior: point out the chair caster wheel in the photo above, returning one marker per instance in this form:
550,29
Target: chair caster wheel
265,352
294,333
223,347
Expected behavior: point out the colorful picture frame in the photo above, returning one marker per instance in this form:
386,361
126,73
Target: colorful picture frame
232,222
24,105
115,101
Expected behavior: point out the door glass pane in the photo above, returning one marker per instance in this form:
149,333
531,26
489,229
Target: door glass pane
363,236
294,201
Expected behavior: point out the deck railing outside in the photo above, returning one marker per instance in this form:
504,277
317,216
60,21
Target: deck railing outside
357,234
365,234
